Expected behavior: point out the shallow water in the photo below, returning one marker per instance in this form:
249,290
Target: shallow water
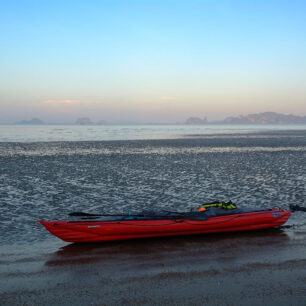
48,180
48,133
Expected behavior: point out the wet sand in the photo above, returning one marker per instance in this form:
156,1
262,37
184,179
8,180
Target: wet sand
256,268
49,180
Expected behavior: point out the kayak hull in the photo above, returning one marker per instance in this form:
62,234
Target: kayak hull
98,231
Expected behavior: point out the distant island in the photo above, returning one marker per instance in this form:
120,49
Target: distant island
32,121
196,120
259,118
266,118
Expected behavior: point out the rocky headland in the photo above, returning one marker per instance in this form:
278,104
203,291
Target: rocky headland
266,118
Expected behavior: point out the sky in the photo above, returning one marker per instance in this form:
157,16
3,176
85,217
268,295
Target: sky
151,61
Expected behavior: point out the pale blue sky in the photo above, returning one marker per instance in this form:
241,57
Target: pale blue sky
151,61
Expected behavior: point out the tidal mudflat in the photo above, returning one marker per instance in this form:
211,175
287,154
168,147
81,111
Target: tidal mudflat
50,179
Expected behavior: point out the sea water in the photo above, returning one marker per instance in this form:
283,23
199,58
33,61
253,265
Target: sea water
40,133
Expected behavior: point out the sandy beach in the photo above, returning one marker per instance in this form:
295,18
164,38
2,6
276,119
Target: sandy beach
259,268
49,180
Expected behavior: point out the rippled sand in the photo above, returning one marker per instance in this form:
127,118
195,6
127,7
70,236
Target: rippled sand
49,180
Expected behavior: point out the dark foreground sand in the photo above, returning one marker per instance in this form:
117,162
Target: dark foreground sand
256,268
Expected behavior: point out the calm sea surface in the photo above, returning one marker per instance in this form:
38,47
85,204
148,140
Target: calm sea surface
28,133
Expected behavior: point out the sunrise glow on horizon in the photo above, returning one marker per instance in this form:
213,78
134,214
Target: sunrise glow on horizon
151,61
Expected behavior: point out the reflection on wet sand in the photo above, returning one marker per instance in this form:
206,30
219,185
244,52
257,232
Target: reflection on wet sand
192,248
255,267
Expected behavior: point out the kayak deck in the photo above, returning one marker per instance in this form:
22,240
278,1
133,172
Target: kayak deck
98,231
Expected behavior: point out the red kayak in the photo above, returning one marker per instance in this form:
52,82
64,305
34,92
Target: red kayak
96,230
